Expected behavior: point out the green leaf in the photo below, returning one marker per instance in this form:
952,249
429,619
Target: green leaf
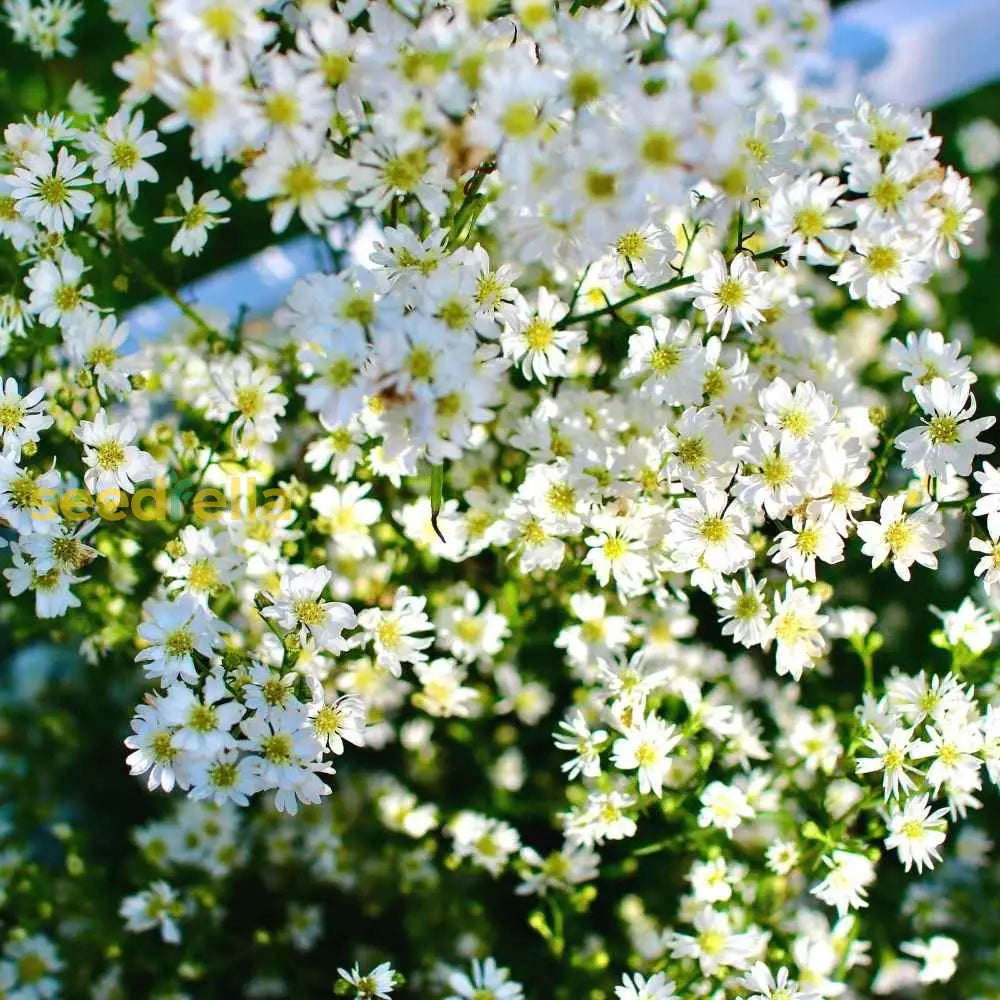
437,497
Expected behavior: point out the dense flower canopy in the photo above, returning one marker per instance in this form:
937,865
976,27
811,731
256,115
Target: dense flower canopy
550,542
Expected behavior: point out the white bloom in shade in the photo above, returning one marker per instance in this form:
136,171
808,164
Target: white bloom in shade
298,608
487,842
53,596
724,807
916,832
969,624
153,749
33,965
375,985
442,692
57,295
487,982
795,627
471,631
989,566
946,444
646,747
119,152
22,418
533,341
50,192
716,944
395,632
197,218
845,885
938,956
175,631
768,986
562,869
904,538
112,461
638,987
157,907
577,737
988,505
734,293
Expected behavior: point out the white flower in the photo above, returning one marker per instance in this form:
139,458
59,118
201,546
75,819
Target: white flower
916,832
298,609
120,151
646,747
938,955
112,461
28,498
796,628
57,294
892,759
736,293
375,985
724,807
50,192
197,219
904,538
743,611
533,340
671,361
946,445
92,342
21,417
638,987
845,885
157,907
767,986
175,632
346,515
487,982
577,737
395,633
246,394
888,264
709,532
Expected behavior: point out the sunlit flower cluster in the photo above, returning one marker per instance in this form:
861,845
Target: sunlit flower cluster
608,448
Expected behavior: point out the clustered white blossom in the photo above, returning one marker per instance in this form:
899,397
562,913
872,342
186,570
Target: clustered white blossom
566,443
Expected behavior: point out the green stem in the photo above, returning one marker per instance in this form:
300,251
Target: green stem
569,319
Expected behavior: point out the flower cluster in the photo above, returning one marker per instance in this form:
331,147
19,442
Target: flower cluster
618,445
